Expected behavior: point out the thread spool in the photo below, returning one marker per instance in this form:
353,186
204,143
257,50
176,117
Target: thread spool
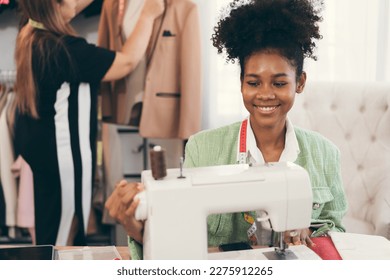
157,162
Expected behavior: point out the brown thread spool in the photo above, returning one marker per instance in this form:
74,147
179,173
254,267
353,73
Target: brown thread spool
157,162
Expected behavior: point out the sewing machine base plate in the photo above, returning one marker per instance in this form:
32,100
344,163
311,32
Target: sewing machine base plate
299,252
286,255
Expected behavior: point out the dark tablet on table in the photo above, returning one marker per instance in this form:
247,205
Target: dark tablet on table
40,252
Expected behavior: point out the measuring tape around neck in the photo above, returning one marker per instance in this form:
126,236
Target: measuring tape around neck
242,153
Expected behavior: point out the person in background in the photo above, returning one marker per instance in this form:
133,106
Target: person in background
58,74
270,40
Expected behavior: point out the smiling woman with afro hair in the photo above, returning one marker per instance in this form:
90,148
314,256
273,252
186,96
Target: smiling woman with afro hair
270,39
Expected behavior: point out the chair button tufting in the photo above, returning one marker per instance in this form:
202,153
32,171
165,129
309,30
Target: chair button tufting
333,107
362,109
360,167
373,138
348,136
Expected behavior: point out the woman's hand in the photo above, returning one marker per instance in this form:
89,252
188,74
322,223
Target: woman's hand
153,8
298,237
121,205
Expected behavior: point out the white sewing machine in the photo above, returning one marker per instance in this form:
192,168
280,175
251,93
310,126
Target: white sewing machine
175,209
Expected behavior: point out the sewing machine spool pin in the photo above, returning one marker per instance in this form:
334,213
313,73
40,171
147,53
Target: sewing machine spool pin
181,169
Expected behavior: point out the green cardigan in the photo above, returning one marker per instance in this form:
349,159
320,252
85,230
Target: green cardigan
318,156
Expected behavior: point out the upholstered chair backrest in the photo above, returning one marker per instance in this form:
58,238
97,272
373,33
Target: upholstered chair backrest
356,117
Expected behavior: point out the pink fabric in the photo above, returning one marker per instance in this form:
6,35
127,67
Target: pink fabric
4,2
25,210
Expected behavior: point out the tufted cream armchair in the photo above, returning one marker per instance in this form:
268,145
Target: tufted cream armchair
356,117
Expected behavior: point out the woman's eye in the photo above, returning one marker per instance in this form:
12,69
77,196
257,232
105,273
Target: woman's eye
253,83
280,84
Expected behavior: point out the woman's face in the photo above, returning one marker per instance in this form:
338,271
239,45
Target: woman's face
68,9
268,88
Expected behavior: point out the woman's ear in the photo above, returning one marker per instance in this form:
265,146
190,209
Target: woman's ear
301,82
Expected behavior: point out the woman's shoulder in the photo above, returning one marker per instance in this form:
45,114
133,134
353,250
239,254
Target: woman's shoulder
222,133
73,41
213,146
313,140
69,44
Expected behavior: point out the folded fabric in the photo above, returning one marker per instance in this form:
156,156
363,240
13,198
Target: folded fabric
325,248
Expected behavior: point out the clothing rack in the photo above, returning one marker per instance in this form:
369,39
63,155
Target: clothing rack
7,77
12,234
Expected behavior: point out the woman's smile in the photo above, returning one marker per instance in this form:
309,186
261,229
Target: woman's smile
266,109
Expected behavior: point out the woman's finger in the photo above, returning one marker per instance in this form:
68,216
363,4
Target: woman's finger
130,212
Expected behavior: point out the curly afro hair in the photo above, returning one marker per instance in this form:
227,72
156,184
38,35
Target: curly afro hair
288,27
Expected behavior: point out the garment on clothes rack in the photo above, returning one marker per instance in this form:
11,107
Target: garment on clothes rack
25,200
8,182
16,194
129,90
3,100
172,82
134,81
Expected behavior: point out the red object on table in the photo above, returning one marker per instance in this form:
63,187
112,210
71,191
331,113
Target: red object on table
325,248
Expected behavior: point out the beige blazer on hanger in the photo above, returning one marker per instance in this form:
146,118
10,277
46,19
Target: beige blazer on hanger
172,96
